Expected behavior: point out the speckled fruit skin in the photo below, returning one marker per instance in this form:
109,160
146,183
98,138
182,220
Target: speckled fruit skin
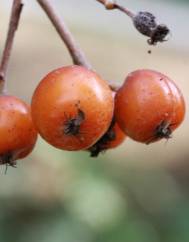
17,132
146,99
58,97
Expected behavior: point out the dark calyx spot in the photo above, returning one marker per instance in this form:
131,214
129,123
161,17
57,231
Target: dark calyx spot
146,24
7,159
163,130
72,125
102,144
158,34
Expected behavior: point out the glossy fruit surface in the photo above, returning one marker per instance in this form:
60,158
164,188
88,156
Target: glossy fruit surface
149,106
72,107
17,132
113,137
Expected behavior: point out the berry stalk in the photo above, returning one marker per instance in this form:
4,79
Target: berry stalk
144,22
75,51
13,25
112,4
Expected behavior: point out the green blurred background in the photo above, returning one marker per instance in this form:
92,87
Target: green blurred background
136,193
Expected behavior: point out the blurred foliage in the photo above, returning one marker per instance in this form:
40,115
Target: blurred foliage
89,200
179,1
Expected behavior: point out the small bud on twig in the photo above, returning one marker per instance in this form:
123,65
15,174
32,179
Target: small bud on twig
110,4
144,22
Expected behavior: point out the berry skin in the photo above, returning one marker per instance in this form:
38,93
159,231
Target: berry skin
149,106
72,108
17,132
113,137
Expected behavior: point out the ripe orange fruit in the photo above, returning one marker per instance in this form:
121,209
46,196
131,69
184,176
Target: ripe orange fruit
17,132
149,106
72,107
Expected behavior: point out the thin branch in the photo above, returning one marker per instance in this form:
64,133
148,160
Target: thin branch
13,25
124,10
144,22
112,4
75,51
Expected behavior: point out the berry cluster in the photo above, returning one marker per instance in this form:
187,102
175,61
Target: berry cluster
73,108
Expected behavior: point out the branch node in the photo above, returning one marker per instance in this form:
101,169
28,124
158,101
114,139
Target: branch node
109,4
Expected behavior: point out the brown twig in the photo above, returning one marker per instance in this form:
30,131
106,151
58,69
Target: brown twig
75,51
144,22
112,4
13,24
